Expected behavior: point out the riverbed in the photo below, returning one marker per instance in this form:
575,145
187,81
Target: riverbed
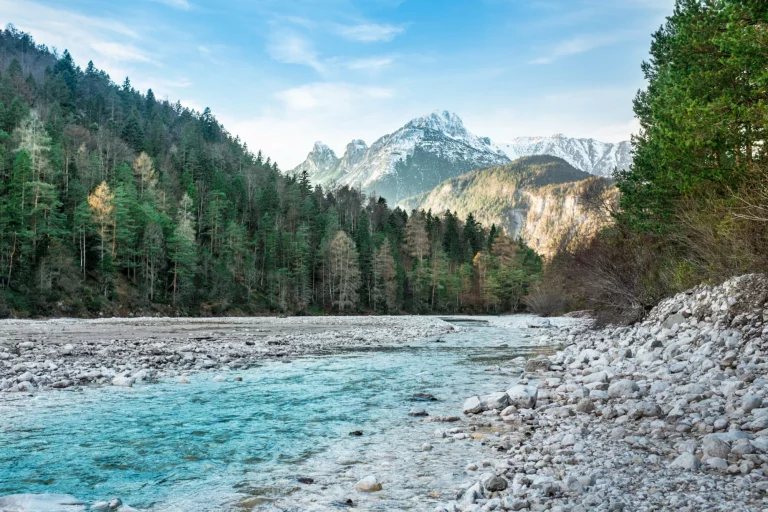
292,433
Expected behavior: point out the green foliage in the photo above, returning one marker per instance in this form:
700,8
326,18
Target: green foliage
112,201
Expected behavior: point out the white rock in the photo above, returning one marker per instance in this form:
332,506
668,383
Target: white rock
623,388
687,461
523,397
41,503
473,405
368,484
123,381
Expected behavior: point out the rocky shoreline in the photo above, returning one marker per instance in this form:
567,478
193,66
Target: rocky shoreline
67,353
668,414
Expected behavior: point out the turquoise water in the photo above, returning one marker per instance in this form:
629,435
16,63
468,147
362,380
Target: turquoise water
225,445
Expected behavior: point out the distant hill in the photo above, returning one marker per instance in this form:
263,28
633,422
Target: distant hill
536,197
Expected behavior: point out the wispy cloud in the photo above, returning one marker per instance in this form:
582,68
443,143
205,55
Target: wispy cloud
329,94
121,52
291,48
580,44
373,63
370,32
177,4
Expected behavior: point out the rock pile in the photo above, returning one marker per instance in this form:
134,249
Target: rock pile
667,414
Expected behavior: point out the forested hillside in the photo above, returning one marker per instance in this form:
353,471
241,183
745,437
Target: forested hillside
115,202
694,204
542,199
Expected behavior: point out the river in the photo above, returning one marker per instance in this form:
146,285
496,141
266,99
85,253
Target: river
243,445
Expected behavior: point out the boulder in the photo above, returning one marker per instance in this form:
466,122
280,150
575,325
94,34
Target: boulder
122,381
473,405
686,461
715,447
493,483
623,388
368,484
523,397
538,364
497,401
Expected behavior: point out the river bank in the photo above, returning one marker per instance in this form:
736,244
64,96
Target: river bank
64,353
668,414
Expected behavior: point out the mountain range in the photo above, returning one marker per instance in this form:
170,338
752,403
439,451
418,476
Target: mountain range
414,158
437,146
531,187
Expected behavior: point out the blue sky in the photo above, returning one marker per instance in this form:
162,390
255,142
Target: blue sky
282,74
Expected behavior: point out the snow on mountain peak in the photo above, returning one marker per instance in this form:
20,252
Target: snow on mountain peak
589,155
320,147
441,121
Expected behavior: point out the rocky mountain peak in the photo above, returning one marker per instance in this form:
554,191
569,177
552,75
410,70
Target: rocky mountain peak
443,121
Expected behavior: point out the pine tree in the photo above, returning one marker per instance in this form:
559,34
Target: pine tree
182,249
345,272
385,285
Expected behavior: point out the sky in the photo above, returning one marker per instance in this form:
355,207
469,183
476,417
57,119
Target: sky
282,74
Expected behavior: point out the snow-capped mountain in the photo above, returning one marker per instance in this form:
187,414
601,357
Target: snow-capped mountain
588,155
320,161
412,159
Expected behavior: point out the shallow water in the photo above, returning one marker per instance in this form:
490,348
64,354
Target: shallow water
241,445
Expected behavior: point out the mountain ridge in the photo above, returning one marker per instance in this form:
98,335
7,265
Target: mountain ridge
413,158
436,146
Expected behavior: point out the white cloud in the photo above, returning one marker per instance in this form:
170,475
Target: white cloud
291,48
119,52
114,46
372,63
329,94
580,44
177,4
370,32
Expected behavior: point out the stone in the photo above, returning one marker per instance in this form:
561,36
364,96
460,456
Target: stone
742,447
673,320
493,483
686,461
41,503
717,463
100,506
417,411
595,377
509,410
494,401
538,364
623,388
219,378
67,350
368,484
122,381
585,405
522,396
25,386
751,402
472,405
715,447
115,503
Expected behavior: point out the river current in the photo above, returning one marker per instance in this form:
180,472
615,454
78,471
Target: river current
243,445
